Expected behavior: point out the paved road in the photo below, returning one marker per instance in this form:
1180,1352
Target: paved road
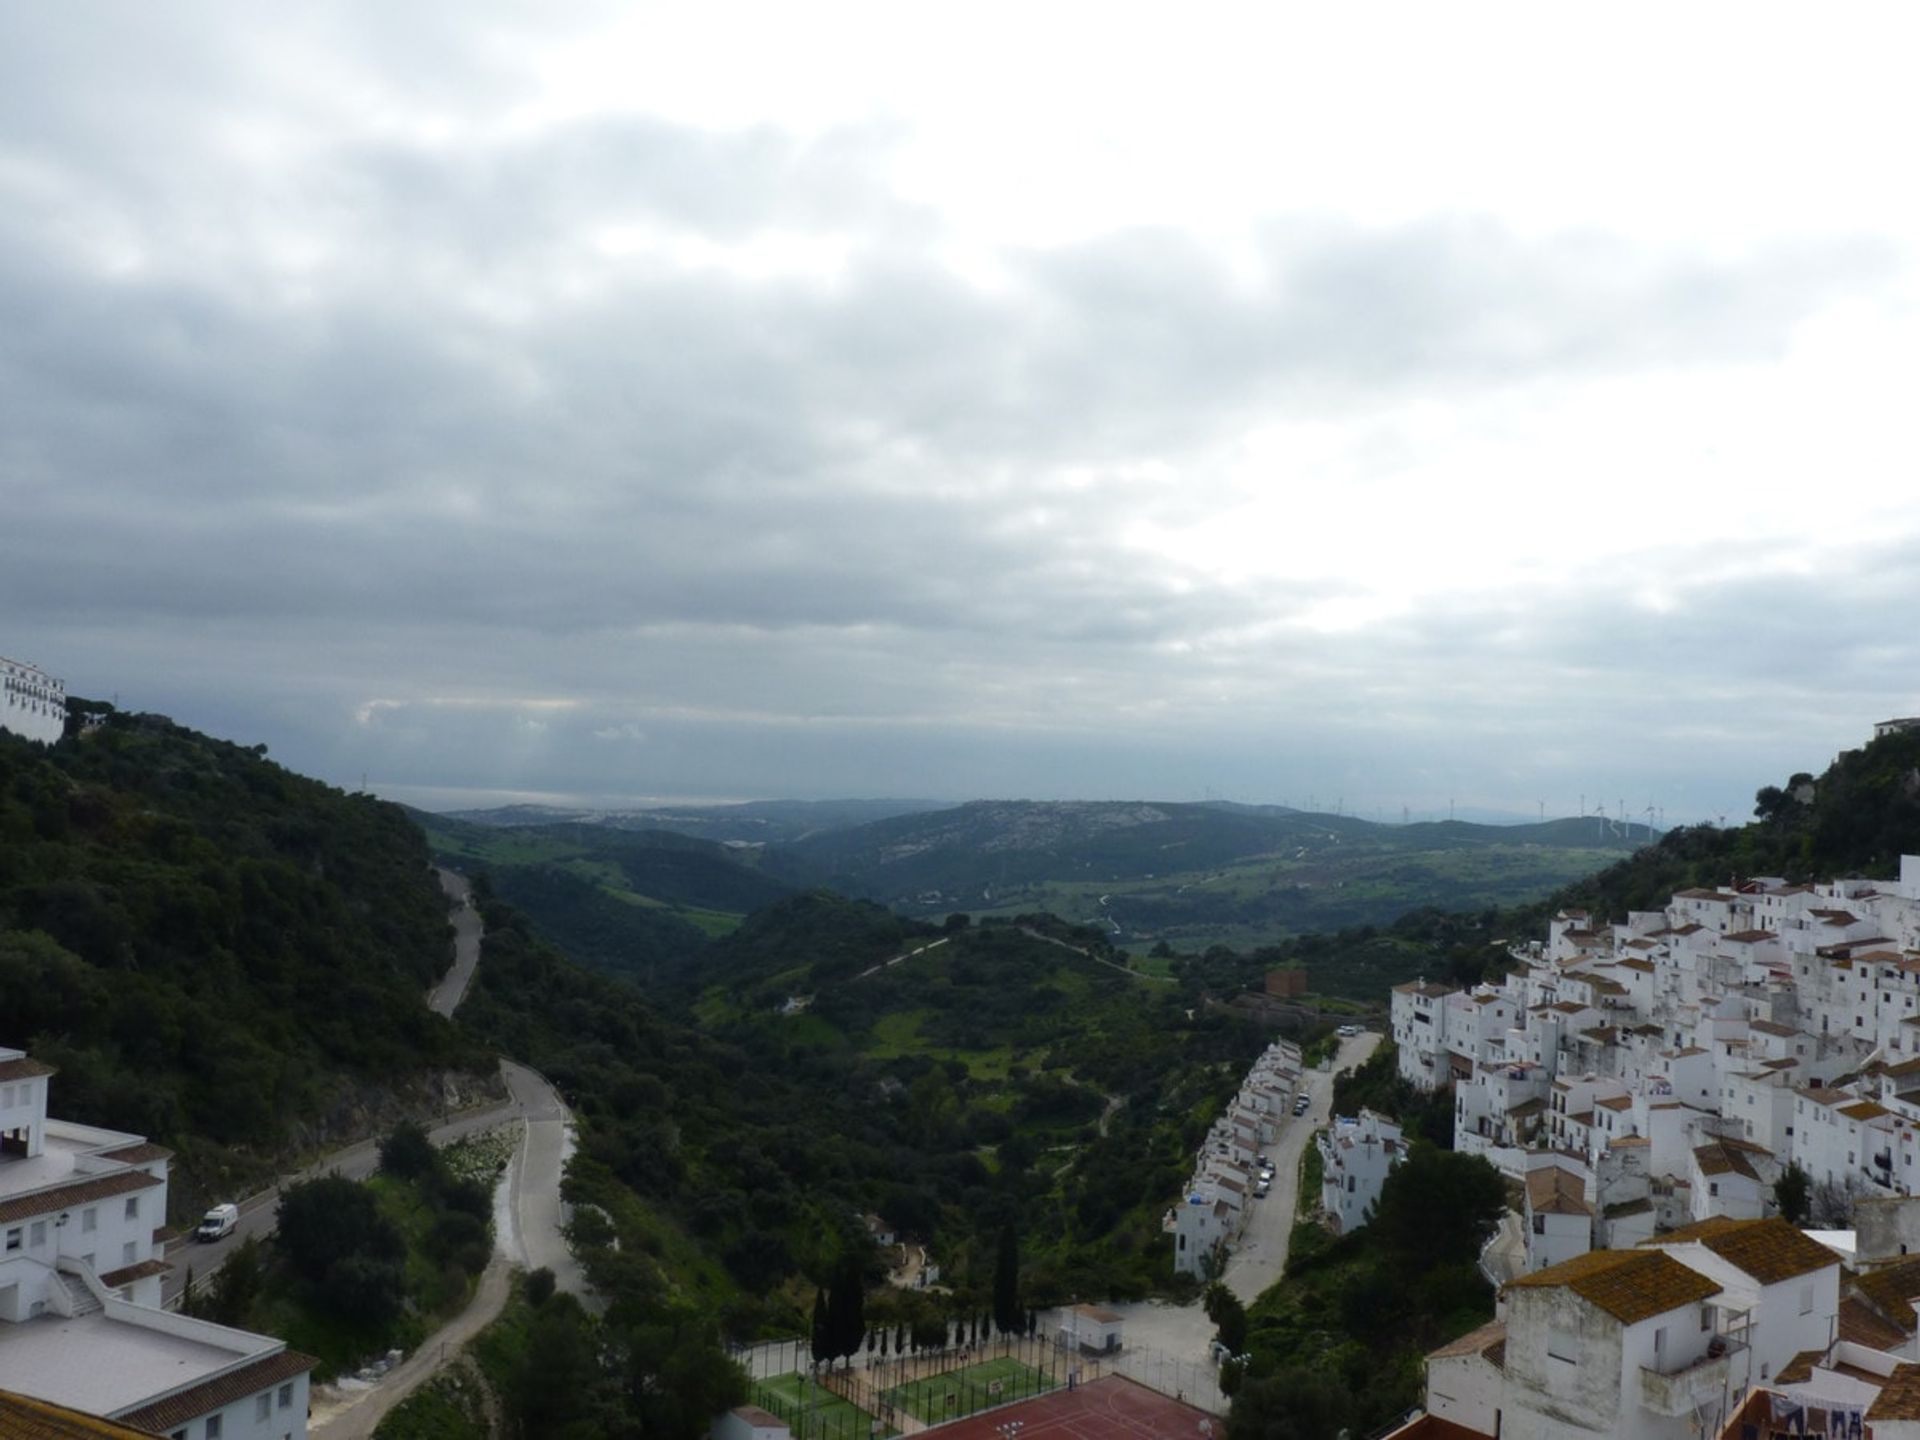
1181,1334
1261,1255
445,997
905,955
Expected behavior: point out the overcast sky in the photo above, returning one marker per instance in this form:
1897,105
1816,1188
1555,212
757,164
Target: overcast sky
1288,403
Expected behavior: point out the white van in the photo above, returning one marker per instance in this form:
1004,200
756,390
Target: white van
217,1223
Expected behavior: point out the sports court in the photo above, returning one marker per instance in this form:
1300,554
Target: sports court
1113,1405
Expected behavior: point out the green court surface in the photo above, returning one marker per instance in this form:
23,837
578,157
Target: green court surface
813,1412
974,1387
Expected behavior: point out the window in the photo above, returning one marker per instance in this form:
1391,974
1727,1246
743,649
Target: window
1713,1187
213,1427
16,1237
126,1253
90,1220
262,1405
133,1207
1806,1299
286,1391
38,1234
1706,1317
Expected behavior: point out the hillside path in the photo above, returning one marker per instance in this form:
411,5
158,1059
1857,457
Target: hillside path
1089,955
904,955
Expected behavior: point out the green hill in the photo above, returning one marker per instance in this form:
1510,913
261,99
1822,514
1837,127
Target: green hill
216,952
1193,874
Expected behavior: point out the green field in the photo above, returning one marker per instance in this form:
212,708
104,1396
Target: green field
960,1392
812,1411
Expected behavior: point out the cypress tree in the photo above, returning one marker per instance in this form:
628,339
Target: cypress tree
1008,1313
822,1328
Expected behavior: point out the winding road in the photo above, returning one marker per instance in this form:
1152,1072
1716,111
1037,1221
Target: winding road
528,1211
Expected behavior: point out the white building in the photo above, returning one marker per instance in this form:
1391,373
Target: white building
1780,1290
32,703
80,1272
1356,1154
1619,1343
1558,1216
1213,1212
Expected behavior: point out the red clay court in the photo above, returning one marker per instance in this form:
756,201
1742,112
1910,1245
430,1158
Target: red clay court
1112,1405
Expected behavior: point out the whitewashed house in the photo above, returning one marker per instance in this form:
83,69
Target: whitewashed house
1356,1155
80,1275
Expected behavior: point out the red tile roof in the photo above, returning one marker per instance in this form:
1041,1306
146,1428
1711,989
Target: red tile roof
176,1410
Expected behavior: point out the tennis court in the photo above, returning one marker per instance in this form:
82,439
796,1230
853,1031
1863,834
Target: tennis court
971,1388
1111,1406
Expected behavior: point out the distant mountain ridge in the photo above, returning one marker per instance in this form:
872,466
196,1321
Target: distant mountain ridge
754,822
965,852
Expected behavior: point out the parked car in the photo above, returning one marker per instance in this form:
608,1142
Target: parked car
1260,1190
1303,1104
217,1223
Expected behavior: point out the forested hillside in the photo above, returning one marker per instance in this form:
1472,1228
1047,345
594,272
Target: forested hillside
216,952
969,1084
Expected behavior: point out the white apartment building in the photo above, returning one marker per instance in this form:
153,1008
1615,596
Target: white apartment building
1356,1154
80,1274
32,703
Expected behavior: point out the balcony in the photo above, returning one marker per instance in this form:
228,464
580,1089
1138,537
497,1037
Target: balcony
1702,1382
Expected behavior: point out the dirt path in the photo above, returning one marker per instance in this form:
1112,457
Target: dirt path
1089,955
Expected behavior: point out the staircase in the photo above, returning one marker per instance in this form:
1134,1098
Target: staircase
80,1298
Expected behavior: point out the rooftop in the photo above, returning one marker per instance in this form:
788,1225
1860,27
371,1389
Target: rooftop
1899,1398
105,1365
1629,1285
1769,1250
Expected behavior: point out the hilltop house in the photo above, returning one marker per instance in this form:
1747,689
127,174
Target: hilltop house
80,1277
32,703
1356,1154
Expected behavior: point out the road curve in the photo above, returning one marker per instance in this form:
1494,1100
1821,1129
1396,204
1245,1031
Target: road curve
446,996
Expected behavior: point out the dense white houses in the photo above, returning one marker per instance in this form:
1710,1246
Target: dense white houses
1356,1153
1728,1035
1655,1078
1213,1212
80,1268
32,702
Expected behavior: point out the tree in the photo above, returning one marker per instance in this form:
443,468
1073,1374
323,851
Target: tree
821,1346
1438,1206
1297,1403
540,1287
1792,1192
1229,1316
846,1309
408,1154
1007,1311
326,1221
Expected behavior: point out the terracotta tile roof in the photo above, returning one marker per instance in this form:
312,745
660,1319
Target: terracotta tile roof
1629,1285
1864,1110
1799,1370
1891,1290
22,1418
1860,1324
1770,1027
1722,1160
25,1068
1769,1250
127,1274
1553,1191
1616,1102
177,1410
1645,967
1474,1342
81,1192
1749,937
1899,1398
1432,1427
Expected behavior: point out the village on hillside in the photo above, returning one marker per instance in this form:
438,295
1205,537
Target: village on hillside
1658,1088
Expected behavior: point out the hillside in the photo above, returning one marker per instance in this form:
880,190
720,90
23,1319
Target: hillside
216,952
638,904
1193,874
751,822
